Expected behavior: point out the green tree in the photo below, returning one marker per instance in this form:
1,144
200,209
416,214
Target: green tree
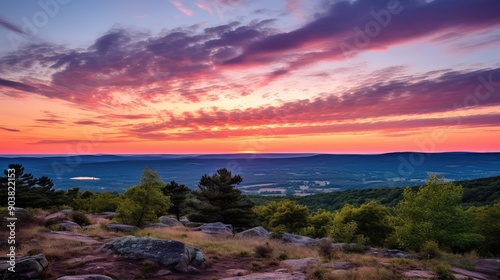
320,224
218,200
283,216
178,195
487,224
30,191
99,202
435,213
145,202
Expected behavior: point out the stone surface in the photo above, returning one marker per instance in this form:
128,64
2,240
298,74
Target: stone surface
217,229
420,274
298,240
85,277
85,259
236,272
22,213
256,232
56,216
469,274
29,267
163,272
71,236
120,227
299,264
488,266
390,253
269,276
167,252
158,225
171,222
190,224
339,265
69,225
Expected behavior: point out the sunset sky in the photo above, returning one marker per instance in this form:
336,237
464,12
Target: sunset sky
231,76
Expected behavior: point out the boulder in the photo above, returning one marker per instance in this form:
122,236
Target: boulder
189,224
217,229
106,215
339,265
158,225
392,253
420,274
53,218
120,227
488,266
458,272
67,211
171,222
270,275
29,267
256,232
69,225
22,213
170,253
298,240
299,264
85,277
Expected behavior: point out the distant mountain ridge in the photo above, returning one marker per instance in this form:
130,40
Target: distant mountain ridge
266,174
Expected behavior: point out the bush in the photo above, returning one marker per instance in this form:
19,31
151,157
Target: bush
80,218
430,250
355,248
326,250
263,251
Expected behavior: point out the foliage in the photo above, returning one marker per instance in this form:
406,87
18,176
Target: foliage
435,213
30,191
79,218
218,200
320,224
283,216
263,250
487,224
368,224
178,195
145,202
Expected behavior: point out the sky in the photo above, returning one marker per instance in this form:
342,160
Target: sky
247,76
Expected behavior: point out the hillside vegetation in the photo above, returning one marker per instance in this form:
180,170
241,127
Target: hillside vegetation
478,192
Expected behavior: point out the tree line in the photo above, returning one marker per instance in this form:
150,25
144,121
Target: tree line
429,216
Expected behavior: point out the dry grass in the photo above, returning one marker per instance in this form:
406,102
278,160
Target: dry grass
365,273
100,231
233,247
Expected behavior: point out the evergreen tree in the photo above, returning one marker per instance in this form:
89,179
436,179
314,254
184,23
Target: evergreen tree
30,191
178,195
218,200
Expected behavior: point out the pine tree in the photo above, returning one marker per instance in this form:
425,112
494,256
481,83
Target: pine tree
178,195
218,200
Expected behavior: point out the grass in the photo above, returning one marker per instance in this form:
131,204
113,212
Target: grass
229,247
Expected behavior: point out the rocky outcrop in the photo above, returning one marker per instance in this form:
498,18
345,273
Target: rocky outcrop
419,274
55,217
69,225
277,275
120,227
171,222
339,265
105,215
299,264
85,277
22,213
71,236
218,228
489,266
256,232
29,267
390,253
166,252
298,240
460,273
189,224
157,225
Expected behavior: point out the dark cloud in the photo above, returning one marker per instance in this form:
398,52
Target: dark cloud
11,27
9,129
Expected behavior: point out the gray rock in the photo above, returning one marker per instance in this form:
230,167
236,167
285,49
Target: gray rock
22,213
217,229
85,277
189,224
69,225
167,252
299,264
171,222
58,216
488,266
158,225
469,274
256,232
67,211
269,276
29,267
106,215
120,227
71,236
420,274
163,272
298,240
391,253
236,272
339,265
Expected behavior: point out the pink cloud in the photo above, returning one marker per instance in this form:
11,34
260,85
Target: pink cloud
181,8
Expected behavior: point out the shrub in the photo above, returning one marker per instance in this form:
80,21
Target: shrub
355,248
80,218
263,251
326,250
430,250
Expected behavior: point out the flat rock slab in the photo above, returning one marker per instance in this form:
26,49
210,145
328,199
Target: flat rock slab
470,274
71,236
299,264
420,274
85,277
120,227
85,259
339,265
489,266
270,276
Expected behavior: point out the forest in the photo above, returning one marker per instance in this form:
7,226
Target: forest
455,217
